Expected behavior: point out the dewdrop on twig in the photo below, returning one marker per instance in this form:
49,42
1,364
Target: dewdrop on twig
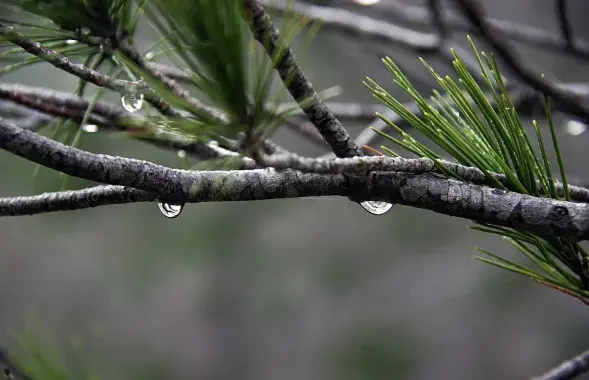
169,210
132,102
377,208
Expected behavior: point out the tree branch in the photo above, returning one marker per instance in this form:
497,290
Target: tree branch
568,369
544,217
73,200
568,100
356,165
110,117
11,370
298,86
83,72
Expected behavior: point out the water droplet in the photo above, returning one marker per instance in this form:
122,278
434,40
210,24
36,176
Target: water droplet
377,208
149,56
181,153
71,42
169,210
90,128
132,102
575,127
367,2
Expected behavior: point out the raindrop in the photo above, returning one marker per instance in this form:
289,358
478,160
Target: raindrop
367,2
90,128
169,210
132,102
575,128
71,42
181,153
149,56
377,208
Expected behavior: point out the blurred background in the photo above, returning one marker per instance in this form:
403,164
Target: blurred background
289,289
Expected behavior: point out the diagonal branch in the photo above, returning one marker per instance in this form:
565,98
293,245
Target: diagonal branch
568,100
11,370
105,115
568,369
518,32
83,72
297,84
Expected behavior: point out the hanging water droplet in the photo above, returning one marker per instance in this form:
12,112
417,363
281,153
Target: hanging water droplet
132,102
575,127
377,208
169,210
90,128
181,153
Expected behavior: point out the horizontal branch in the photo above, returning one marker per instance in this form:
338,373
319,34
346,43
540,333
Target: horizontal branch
73,200
545,217
353,22
356,165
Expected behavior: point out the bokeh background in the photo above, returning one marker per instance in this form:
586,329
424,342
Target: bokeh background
287,289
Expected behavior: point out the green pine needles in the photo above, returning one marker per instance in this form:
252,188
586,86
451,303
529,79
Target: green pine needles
494,140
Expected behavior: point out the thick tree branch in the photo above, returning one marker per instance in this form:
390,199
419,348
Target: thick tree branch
545,217
568,369
299,87
356,165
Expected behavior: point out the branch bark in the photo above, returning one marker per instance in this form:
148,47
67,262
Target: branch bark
545,217
297,84
568,369
81,71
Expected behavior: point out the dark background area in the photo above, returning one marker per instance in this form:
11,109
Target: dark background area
288,289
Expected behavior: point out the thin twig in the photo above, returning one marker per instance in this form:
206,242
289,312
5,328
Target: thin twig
83,72
105,115
515,31
564,24
199,108
358,24
567,99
